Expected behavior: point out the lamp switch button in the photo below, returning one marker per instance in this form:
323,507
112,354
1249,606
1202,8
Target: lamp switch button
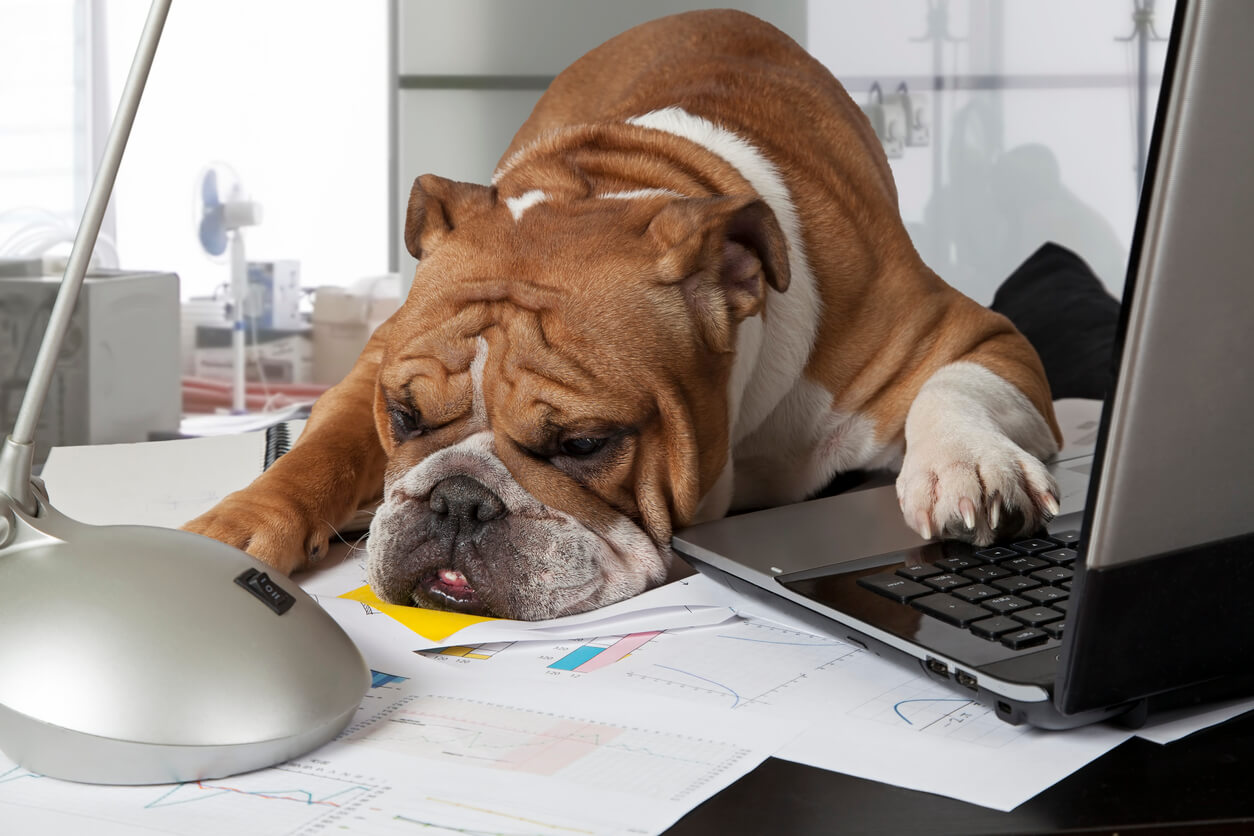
266,590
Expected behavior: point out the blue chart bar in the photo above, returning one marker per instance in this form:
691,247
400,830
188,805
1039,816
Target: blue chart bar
576,658
379,679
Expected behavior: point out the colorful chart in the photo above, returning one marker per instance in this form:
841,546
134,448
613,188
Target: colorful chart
601,652
474,651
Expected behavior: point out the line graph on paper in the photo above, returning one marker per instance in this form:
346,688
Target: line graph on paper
591,754
922,706
738,665
282,800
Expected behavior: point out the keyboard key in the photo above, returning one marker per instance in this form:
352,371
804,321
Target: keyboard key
976,592
1034,546
1054,574
995,627
1061,557
891,586
1003,604
984,574
918,573
1023,564
954,564
1016,584
1045,595
944,583
1054,630
1066,585
1027,637
949,609
1069,538
1037,616
1061,606
996,553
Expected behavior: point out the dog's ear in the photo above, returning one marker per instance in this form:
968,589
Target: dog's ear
724,252
436,206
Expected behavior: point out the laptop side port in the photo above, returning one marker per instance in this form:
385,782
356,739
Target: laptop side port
965,679
938,667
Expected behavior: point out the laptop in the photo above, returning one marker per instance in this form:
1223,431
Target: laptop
1136,597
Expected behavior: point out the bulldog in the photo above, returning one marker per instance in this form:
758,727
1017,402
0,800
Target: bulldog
686,291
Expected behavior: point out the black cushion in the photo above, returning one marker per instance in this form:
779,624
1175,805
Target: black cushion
1058,303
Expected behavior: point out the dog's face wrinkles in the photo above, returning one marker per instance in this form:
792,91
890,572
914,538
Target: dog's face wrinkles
541,443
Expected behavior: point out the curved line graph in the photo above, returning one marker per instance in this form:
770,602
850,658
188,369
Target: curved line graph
792,644
899,704
735,696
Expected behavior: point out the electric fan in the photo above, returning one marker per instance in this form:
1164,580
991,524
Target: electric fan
219,226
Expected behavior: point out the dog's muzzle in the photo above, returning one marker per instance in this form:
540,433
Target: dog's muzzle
460,508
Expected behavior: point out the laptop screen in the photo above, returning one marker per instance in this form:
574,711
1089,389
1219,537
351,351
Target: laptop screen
1159,611
1176,468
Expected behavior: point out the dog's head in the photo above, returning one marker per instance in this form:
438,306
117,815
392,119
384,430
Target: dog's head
553,396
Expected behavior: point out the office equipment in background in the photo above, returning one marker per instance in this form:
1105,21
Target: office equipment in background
223,213
344,319
189,658
117,377
1139,601
274,293
271,355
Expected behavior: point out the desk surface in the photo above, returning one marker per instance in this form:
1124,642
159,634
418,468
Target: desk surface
1202,784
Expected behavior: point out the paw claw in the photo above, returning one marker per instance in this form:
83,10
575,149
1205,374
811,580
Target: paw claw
979,490
924,526
967,509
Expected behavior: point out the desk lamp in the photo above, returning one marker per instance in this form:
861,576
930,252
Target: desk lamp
137,655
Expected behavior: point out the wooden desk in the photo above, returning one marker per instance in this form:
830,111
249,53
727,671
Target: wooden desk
1202,784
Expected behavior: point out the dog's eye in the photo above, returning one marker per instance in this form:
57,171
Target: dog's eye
582,446
405,424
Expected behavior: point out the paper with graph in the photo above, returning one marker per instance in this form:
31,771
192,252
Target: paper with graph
864,716
447,752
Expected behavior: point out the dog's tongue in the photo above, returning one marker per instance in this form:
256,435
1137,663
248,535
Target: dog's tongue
455,580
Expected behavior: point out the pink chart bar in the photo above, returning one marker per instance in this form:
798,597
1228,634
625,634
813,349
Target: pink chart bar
616,651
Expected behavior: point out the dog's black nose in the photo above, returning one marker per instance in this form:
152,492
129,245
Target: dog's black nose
465,501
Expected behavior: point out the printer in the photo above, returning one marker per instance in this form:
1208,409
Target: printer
118,376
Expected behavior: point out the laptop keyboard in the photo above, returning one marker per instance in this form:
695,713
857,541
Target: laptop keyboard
1014,593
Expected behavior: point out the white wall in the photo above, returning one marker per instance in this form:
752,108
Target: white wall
455,115
293,95
1043,149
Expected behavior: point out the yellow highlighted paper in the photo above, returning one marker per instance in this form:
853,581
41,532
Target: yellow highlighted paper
430,624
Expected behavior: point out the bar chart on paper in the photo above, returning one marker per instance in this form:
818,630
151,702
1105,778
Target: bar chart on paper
585,657
481,652
601,652
595,755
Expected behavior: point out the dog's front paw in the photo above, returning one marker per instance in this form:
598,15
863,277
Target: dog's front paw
977,488
271,528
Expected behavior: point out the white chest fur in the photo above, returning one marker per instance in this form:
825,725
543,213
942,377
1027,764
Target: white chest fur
786,441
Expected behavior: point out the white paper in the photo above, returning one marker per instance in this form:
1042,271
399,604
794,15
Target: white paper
690,602
161,483
1178,724
441,751
864,716
223,424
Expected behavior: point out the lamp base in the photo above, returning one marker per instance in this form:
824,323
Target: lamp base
139,655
